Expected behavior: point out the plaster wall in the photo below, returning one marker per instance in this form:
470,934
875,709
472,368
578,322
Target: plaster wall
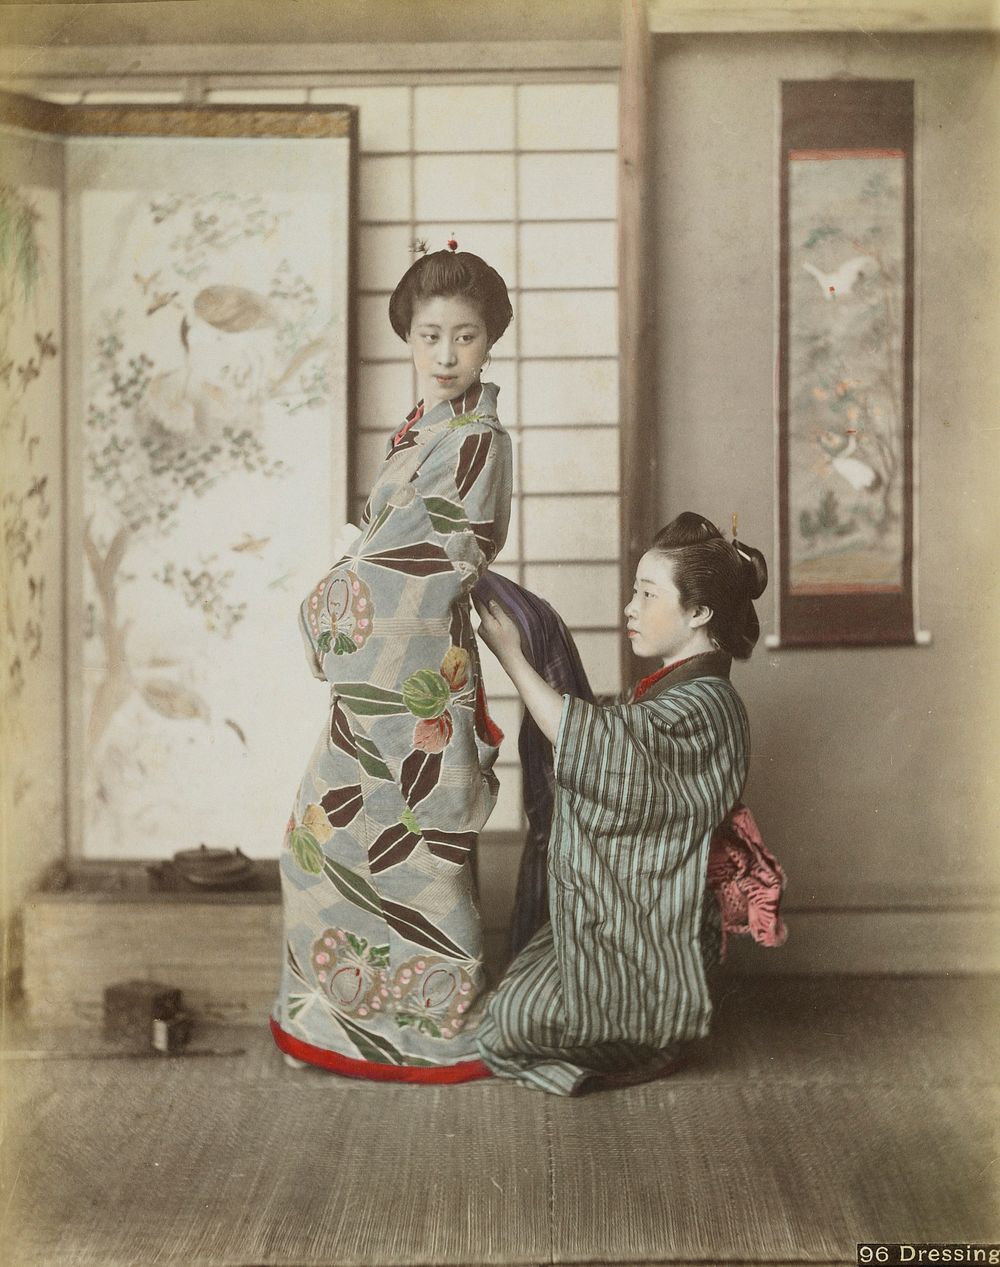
874,774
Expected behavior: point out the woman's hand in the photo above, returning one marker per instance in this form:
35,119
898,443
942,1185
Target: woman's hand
498,631
501,635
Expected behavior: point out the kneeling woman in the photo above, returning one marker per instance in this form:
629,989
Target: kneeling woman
611,989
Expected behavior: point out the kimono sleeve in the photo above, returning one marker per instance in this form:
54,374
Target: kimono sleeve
313,658
464,485
630,767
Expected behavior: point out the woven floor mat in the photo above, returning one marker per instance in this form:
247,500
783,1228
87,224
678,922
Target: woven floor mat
819,1114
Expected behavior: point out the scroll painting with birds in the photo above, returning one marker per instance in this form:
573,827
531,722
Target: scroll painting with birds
846,364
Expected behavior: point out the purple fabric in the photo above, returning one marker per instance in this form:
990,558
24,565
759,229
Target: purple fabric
549,648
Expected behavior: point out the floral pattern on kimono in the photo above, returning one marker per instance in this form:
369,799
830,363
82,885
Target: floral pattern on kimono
383,964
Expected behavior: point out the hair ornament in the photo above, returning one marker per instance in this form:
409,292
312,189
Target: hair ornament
452,243
418,246
747,558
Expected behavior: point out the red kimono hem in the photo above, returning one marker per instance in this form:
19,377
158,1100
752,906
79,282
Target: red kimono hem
464,1071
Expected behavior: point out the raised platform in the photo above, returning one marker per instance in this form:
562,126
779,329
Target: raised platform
96,923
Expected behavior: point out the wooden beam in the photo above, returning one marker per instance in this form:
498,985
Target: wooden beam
692,17
136,61
638,456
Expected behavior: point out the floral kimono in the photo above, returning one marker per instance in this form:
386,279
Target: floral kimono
612,987
383,947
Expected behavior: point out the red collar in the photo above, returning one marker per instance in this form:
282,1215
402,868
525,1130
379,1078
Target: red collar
414,416
642,687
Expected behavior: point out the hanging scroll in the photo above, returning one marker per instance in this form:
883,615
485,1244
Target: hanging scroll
846,363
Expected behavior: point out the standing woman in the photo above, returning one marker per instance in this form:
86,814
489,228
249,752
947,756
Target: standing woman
613,986
383,946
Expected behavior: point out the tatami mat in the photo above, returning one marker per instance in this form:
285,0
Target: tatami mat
821,1113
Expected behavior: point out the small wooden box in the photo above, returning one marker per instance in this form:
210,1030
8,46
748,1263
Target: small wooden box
130,1007
221,950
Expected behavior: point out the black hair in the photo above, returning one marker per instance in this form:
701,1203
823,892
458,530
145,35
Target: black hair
710,571
452,273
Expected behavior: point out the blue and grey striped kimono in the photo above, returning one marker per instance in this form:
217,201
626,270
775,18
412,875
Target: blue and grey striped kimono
615,983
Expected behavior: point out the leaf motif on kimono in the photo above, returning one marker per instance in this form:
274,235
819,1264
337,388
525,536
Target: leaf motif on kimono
464,420
409,821
461,625
433,734
370,701
315,820
418,776
453,846
341,735
296,1002
323,642
446,516
422,558
409,441
342,804
486,537
392,846
306,851
423,1024
293,962
344,644
409,923
375,1048
377,522
455,667
370,759
357,891
425,693
471,460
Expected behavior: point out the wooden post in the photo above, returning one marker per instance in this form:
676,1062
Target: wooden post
635,395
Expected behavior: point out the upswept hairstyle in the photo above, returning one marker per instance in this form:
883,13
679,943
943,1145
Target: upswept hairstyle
452,273
710,571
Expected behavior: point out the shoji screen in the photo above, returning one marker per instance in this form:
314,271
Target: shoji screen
524,175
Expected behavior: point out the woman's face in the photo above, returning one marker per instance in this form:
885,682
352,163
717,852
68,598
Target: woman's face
448,343
657,625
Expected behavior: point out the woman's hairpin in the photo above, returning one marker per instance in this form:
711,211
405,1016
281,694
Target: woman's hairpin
735,543
418,246
452,243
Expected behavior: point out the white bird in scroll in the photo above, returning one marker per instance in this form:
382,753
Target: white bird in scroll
843,280
840,449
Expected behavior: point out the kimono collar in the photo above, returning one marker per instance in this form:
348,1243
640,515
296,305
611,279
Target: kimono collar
479,404
705,664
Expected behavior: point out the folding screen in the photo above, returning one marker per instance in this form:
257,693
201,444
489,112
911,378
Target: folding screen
31,495
207,280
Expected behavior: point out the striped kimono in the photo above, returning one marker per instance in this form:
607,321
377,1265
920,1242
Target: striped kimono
615,984
383,946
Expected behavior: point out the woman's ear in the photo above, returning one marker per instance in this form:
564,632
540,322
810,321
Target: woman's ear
700,616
